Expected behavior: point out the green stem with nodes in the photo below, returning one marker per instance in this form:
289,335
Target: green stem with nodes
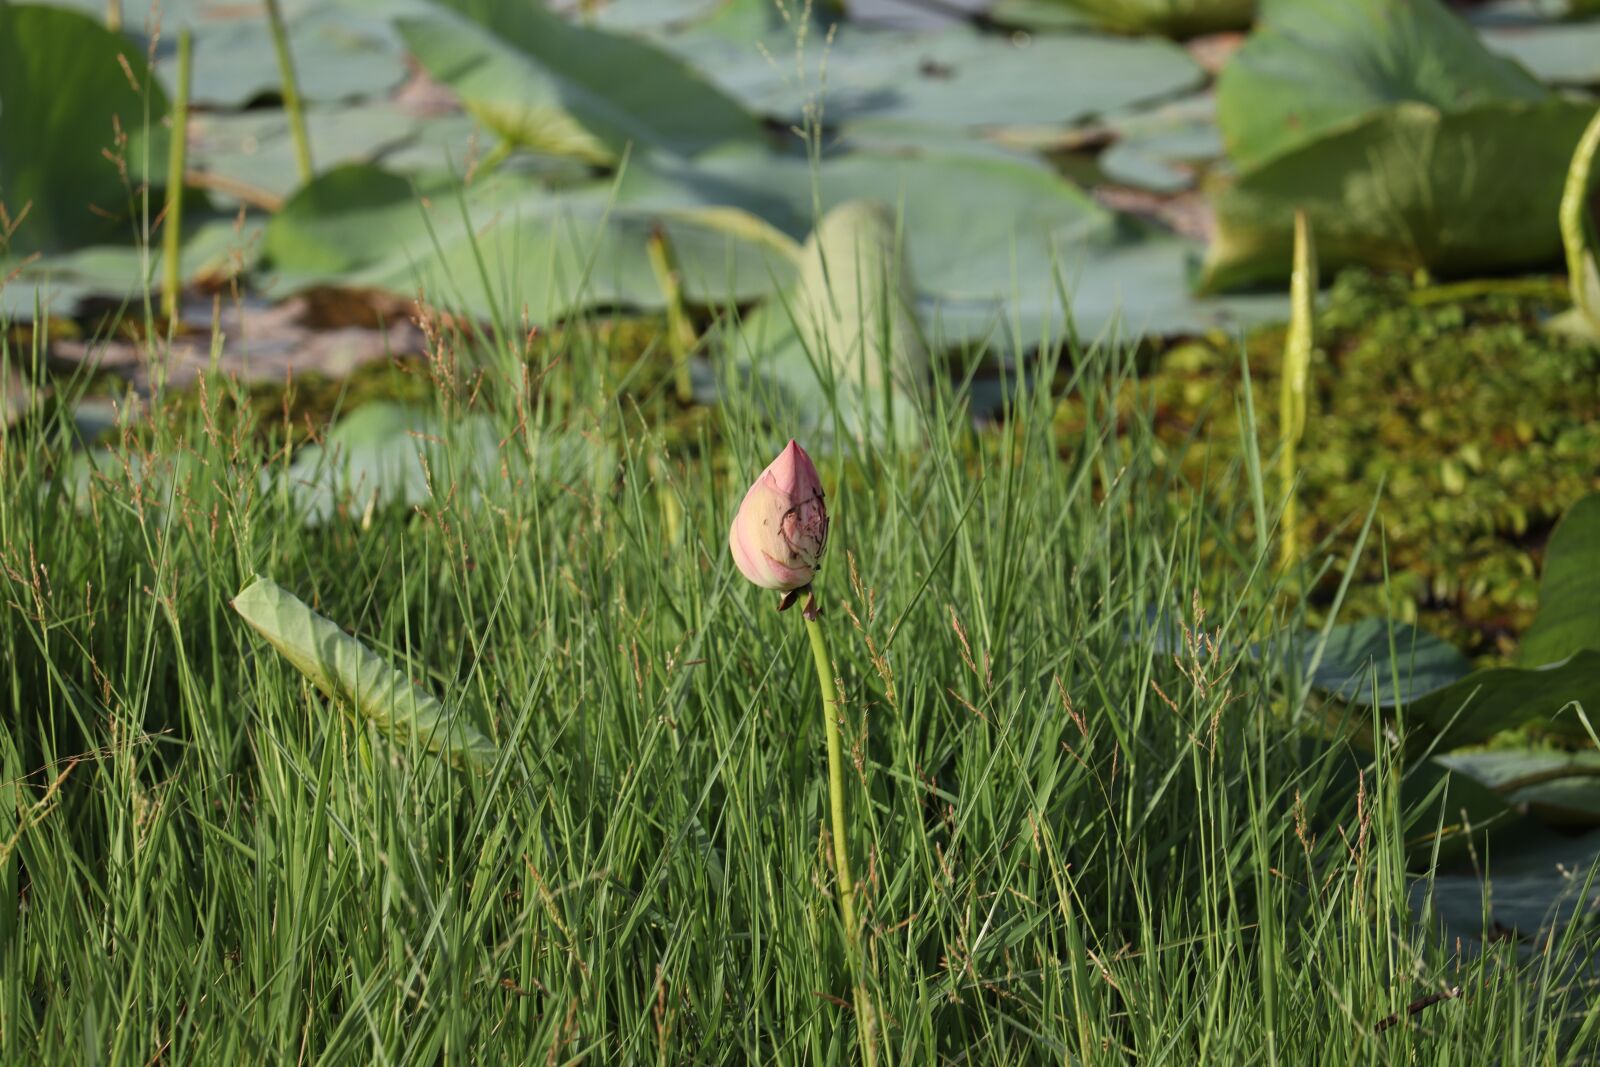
680,331
172,232
866,1018
290,90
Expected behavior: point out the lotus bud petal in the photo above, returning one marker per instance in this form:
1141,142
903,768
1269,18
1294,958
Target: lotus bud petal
781,531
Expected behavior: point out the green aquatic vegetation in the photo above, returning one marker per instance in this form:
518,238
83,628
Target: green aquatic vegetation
1471,426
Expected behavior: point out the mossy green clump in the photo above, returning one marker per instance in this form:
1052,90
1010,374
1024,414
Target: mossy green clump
1472,426
628,362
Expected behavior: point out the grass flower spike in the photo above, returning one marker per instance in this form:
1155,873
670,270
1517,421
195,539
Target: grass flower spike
781,531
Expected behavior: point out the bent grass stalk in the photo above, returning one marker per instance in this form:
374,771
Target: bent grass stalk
866,1020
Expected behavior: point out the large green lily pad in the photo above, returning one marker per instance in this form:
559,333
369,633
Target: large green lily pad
1313,66
1509,770
1490,701
1158,148
1533,886
385,455
546,254
993,241
1447,705
1564,802
1407,187
1383,662
1559,787
652,15
542,81
255,147
1569,590
64,95
343,49
950,78
1133,281
972,224
975,228
1392,125
339,55
216,248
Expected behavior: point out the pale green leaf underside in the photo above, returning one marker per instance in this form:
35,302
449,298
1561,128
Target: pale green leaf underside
351,673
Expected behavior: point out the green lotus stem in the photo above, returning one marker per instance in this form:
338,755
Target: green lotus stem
680,332
777,541
866,1019
172,226
290,91
1577,230
1296,376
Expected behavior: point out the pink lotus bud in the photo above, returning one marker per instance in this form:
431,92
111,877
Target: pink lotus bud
781,530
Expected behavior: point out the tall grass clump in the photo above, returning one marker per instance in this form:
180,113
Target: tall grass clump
1091,826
